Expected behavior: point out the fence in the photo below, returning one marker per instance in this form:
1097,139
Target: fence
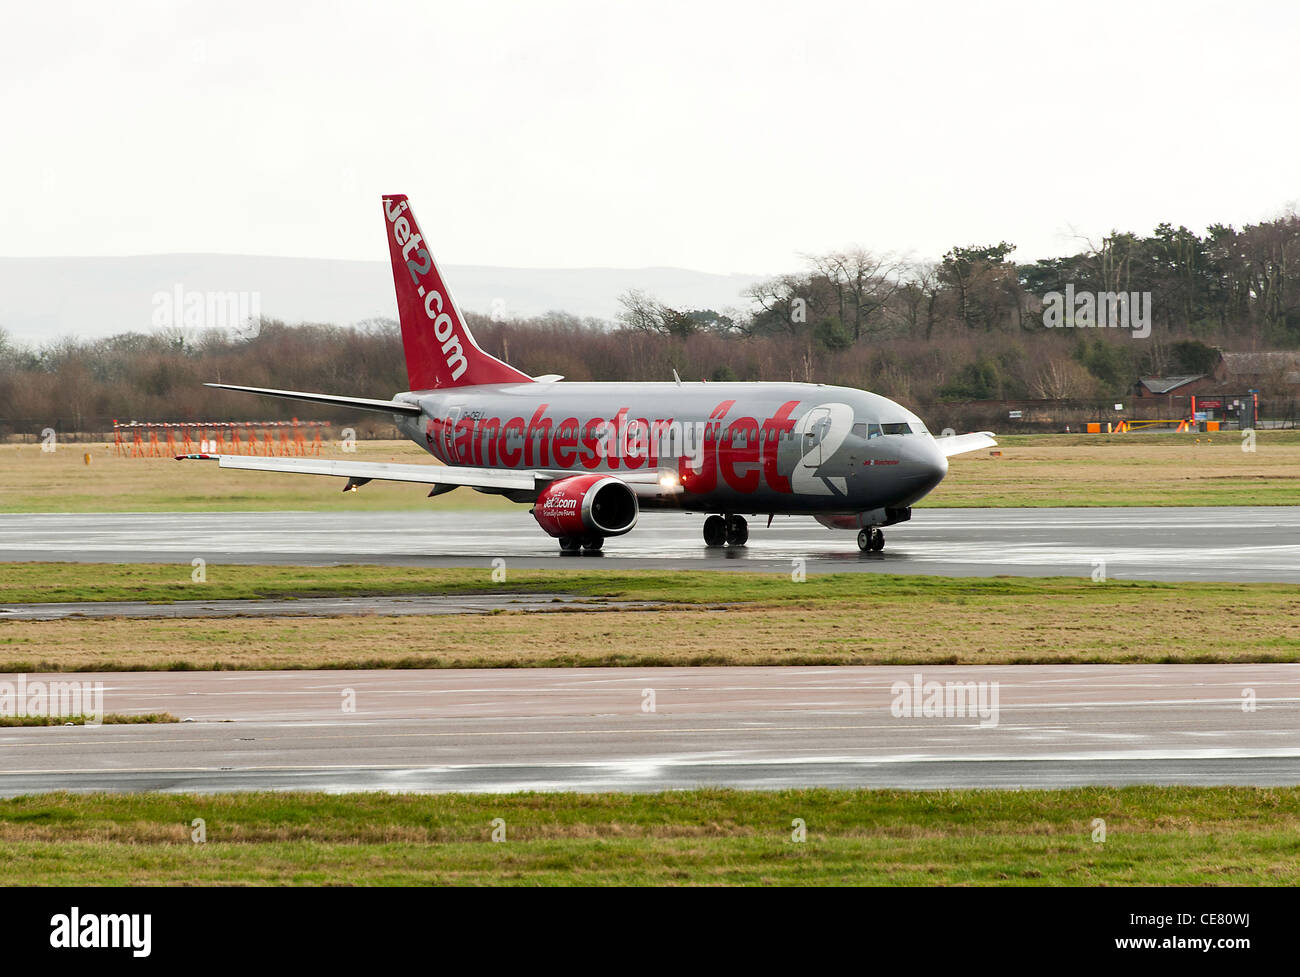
101,430
147,439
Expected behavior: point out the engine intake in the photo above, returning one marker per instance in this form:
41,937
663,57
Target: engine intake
586,505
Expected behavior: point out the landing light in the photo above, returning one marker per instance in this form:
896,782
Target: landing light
669,480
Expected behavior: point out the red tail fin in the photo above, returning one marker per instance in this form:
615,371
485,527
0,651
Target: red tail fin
440,352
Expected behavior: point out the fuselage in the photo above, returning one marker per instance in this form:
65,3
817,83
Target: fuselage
796,448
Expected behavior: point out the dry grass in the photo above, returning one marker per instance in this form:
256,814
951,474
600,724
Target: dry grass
61,481
110,719
1127,470
1081,622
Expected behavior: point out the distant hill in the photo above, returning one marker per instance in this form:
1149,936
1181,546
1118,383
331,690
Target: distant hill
48,298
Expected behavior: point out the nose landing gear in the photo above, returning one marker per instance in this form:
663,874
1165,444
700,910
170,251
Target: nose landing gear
871,540
728,531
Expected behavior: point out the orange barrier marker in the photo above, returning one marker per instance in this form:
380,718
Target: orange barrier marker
277,438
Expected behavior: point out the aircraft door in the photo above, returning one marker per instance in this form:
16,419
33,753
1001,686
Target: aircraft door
814,426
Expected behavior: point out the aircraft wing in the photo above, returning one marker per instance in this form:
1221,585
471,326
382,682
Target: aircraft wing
364,471
442,477
356,403
956,444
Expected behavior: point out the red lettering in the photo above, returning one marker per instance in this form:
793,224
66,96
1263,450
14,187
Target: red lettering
566,442
539,430
706,479
658,433
464,439
776,425
487,431
591,439
742,429
614,447
508,457
636,443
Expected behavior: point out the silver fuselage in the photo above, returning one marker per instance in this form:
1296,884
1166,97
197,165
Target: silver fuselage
735,447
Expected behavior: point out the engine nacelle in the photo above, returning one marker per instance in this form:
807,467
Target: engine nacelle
586,505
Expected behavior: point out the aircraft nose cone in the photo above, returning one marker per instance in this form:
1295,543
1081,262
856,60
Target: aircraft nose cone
932,466
924,467
937,464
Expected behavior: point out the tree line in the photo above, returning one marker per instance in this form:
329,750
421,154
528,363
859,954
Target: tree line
968,327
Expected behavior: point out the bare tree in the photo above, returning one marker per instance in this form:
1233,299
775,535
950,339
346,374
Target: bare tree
918,295
863,283
642,313
1061,378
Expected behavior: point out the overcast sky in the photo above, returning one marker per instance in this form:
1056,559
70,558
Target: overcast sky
724,137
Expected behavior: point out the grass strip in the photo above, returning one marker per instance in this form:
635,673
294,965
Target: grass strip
1153,836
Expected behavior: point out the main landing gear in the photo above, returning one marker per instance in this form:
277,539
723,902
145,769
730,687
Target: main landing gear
572,544
871,540
729,531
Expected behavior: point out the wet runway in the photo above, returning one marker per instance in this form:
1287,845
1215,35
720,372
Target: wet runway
1218,543
665,728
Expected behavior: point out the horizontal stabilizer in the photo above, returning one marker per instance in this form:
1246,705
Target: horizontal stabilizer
357,403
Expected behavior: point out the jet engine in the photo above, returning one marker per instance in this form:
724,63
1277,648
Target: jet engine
582,510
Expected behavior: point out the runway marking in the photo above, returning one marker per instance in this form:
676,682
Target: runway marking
1237,754
938,725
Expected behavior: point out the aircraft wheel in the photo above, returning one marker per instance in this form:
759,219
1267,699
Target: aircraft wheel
570,544
864,540
592,544
737,530
715,532
877,540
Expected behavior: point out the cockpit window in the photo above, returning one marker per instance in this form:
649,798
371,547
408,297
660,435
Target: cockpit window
900,428
866,431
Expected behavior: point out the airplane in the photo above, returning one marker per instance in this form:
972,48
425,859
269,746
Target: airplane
587,457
